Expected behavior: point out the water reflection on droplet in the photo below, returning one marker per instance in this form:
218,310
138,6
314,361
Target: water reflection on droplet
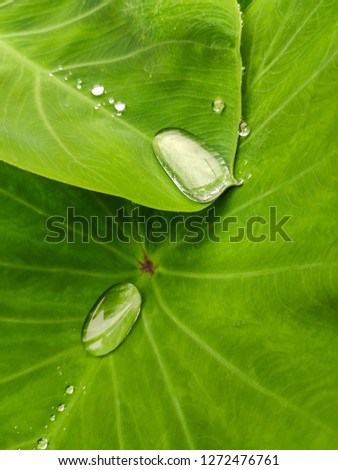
244,129
198,171
218,105
111,319
97,90
42,443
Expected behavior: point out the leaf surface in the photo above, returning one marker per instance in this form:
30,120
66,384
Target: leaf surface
236,344
165,61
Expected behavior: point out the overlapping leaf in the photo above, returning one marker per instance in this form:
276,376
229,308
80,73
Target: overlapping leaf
164,60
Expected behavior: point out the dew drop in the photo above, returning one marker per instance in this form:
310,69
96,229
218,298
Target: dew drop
111,101
42,443
52,418
69,389
244,129
198,171
60,67
120,107
111,319
243,70
97,90
78,86
97,106
218,105
51,74
61,407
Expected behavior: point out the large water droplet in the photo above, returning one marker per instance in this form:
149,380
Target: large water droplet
198,171
42,443
218,105
97,90
244,129
111,319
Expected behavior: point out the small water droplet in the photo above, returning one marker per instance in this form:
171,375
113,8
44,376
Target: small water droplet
69,389
111,101
78,86
244,129
198,171
97,106
61,407
51,74
42,443
218,105
111,319
97,90
120,107
243,70
46,426
65,78
52,418
60,67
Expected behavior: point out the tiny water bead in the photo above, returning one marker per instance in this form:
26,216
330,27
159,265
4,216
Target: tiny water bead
111,319
244,129
61,407
97,90
42,444
69,389
199,172
52,418
111,101
218,105
120,107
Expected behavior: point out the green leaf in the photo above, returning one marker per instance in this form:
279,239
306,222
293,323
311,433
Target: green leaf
165,60
235,346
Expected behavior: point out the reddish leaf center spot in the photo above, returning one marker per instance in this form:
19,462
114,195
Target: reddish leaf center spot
147,266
